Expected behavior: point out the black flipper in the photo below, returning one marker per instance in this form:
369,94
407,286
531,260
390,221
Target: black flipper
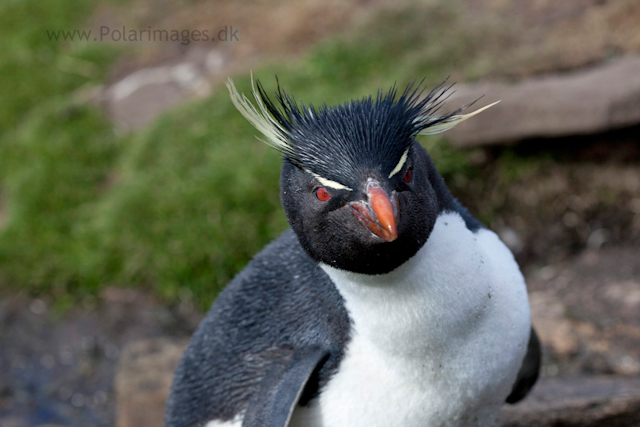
281,389
529,370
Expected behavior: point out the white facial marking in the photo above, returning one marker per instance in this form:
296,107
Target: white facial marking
400,164
236,422
328,183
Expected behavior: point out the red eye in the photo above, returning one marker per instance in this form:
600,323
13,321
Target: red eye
407,176
322,194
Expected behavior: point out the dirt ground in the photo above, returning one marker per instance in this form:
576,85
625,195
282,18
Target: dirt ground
58,369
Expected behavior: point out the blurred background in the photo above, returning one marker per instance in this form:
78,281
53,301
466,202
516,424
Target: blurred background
132,191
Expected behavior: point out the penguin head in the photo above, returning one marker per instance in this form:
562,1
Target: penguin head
356,187
372,226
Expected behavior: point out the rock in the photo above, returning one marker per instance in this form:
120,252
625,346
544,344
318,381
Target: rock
511,238
143,95
190,69
555,330
587,313
58,368
583,102
580,401
144,375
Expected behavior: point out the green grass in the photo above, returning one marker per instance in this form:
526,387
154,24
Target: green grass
181,206
195,197
32,67
56,163
54,152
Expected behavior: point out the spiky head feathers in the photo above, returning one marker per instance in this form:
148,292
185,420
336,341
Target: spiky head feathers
337,143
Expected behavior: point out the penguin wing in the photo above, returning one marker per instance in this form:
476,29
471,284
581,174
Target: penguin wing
281,389
529,371
259,344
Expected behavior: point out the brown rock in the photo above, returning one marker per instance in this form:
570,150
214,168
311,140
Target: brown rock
586,312
583,102
144,375
554,329
579,401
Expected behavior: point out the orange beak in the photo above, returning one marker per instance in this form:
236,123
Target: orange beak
379,215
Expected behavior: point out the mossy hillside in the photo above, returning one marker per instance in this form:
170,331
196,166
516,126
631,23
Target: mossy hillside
54,151
55,164
195,196
35,67
181,206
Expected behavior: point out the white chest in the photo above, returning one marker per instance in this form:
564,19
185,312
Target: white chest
436,342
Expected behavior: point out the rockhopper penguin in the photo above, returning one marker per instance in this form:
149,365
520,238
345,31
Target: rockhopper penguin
385,304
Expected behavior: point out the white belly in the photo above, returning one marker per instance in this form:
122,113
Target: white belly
436,342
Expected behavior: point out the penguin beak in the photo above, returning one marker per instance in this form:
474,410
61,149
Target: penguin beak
378,215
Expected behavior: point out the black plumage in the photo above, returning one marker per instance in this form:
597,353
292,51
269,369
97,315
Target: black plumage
277,308
337,142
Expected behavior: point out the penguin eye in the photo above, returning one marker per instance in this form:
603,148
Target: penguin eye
407,176
322,194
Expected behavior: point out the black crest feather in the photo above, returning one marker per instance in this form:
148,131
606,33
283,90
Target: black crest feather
339,142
